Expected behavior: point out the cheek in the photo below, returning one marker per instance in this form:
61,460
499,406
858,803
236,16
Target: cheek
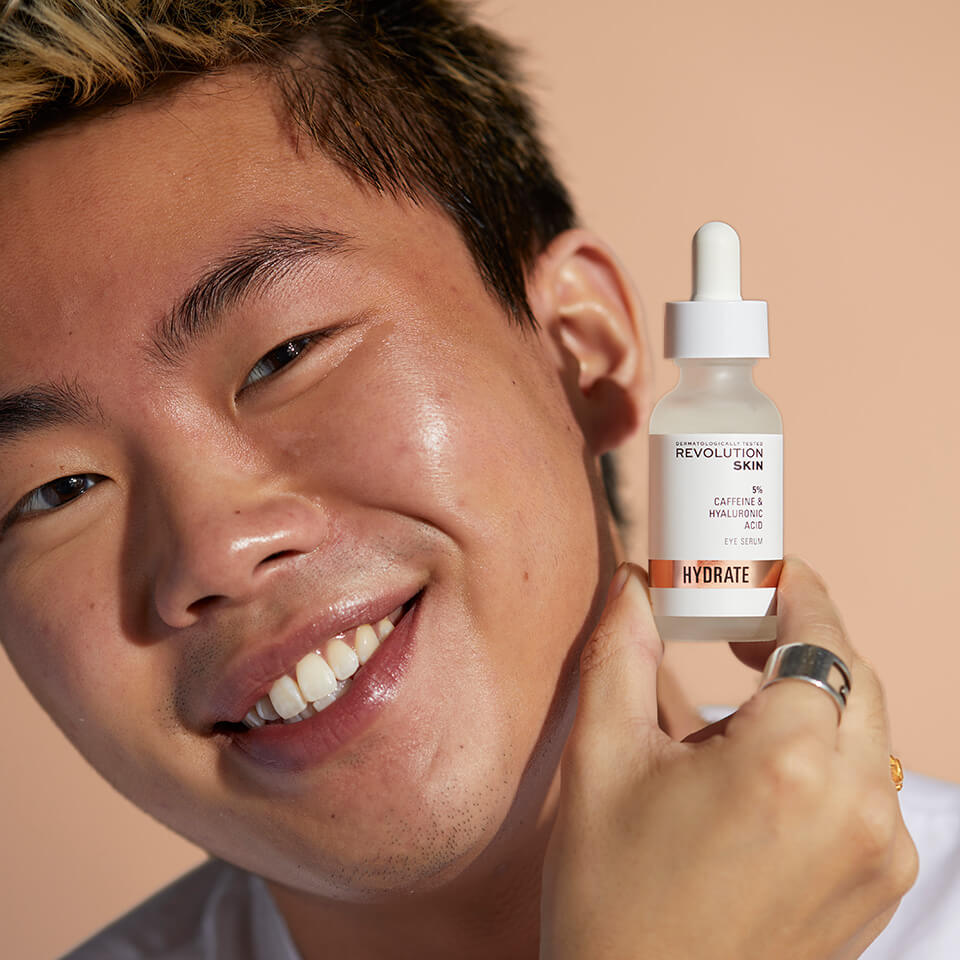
462,435
476,441
104,693
61,634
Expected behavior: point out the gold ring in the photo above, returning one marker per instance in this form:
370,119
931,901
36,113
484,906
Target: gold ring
896,772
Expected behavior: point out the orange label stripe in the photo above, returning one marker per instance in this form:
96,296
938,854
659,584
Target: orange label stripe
715,574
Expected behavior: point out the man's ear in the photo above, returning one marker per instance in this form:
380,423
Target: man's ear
590,317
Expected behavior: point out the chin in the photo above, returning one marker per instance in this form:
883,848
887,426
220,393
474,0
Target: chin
416,855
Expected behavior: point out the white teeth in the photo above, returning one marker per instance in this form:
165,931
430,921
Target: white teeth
265,709
366,641
342,659
321,677
323,702
251,719
315,677
304,714
286,698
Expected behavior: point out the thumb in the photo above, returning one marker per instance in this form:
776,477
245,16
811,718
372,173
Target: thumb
618,666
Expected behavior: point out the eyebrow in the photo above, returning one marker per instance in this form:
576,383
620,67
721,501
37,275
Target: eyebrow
254,264
43,406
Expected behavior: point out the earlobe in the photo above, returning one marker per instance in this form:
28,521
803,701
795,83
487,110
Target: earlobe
586,305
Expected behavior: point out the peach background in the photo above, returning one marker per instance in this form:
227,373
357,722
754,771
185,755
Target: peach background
826,134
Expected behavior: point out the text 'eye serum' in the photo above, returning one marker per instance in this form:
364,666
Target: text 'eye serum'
716,462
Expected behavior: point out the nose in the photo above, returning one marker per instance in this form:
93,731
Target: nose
222,539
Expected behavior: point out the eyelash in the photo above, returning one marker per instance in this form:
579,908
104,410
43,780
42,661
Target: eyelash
305,344
24,509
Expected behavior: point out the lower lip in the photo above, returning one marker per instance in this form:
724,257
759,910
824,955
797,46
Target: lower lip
298,746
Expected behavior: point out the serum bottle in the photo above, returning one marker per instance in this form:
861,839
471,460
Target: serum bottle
716,462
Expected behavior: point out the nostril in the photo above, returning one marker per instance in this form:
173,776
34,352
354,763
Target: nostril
199,606
280,555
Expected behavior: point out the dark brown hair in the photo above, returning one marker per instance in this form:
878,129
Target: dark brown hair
413,97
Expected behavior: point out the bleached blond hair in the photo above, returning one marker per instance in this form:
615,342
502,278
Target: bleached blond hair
72,51
411,96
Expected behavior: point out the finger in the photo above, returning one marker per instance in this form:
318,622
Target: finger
714,729
618,667
753,654
806,614
865,721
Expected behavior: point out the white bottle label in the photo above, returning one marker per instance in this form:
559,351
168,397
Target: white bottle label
716,523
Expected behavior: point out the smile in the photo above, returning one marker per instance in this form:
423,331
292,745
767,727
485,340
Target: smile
321,676
340,687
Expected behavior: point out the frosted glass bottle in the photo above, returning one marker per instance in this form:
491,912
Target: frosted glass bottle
716,395
716,461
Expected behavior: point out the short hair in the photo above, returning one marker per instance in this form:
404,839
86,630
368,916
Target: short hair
413,97
410,96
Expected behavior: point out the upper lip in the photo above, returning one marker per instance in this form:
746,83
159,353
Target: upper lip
250,674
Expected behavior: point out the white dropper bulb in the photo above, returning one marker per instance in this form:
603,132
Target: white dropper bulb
716,262
716,322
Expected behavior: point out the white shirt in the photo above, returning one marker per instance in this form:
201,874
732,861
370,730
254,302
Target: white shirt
927,925
219,912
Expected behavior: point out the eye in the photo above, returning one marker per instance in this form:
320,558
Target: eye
51,496
278,358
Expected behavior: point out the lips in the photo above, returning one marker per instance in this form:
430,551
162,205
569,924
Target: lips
299,746
321,676
250,677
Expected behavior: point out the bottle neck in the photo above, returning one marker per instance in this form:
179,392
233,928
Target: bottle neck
723,374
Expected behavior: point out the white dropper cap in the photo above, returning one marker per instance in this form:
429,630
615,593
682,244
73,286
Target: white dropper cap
716,322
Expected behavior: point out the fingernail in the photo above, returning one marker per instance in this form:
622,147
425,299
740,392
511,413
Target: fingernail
619,581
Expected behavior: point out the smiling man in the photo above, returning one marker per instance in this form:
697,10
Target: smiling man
305,376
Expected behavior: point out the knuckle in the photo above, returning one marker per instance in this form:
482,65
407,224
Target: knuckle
640,652
902,867
794,770
905,868
875,819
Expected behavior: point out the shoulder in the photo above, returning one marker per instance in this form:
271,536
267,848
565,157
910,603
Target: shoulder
215,911
927,924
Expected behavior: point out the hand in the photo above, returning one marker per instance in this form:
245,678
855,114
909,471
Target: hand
776,835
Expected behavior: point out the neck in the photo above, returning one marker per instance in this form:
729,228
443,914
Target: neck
491,910
496,914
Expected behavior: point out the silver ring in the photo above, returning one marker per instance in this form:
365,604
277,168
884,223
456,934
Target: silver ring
812,664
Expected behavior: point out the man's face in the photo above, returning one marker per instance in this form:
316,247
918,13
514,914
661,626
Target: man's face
236,507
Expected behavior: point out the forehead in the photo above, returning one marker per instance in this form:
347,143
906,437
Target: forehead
104,221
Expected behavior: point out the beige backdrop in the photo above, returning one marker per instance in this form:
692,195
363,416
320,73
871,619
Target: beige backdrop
827,134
